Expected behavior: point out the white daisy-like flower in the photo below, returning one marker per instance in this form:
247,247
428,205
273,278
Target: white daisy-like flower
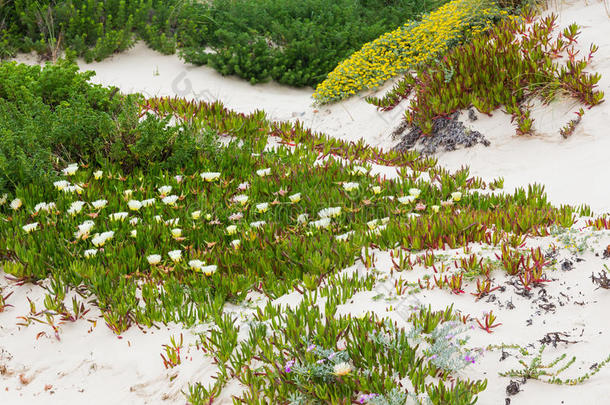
331,212
349,186
342,369
195,264
176,232
372,224
148,203
178,178
73,189
243,186
175,255
385,220
210,176
406,199
236,216
164,190
257,224
344,236
208,217
456,196
208,270
118,216
61,184
134,233
134,205
42,206
359,170
170,200
16,204
302,218
376,189
262,207
435,208
98,174
172,222
84,230
134,221
414,192
99,239
158,218
235,243
264,172
128,193
99,204
321,223
295,198
30,227
3,199
76,207
90,253
195,214
240,199
70,170
231,230
153,259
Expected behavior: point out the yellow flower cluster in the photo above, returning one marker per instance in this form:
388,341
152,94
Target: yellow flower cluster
397,51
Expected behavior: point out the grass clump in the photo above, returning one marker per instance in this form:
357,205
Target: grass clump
408,46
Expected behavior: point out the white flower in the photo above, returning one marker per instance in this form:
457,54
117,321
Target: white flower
262,207
295,198
257,224
349,186
172,222
372,224
341,369
457,196
344,236
302,218
376,189
264,172
43,206
435,208
235,243
61,184
134,205
406,199
208,217
90,252
195,264
170,200
99,204
178,178
148,203
84,229
231,230
175,255
330,212
158,218
70,170
321,223
176,232
118,216
210,176
164,190
134,233
208,270
76,207
128,193
414,192
243,186
30,227
73,189
358,170
134,221
3,199
236,216
385,220
100,239
16,204
195,214
98,174
241,199
153,259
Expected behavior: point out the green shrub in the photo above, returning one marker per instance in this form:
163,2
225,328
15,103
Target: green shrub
53,115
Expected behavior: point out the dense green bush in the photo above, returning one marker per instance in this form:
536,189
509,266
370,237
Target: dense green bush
295,43
53,115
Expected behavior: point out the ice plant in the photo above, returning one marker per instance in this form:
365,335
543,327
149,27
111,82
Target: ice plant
127,193
16,204
208,270
257,224
210,176
147,203
90,253
195,264
195,214
176,232
84,229
350,186
231,230
235,243
164,190
99,204
30,227
175,255
100,239
98,174
76,207
302,218
236,216
406,199
133,233
414,192
153,259
241,199
376,189
170,200
321,223
262,207
295,198
118,216
263,172
331,212
134,205
456,196
342,369
70,170
3,199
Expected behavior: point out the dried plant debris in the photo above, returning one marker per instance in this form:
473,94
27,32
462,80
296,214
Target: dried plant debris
601,280
553,338
448,134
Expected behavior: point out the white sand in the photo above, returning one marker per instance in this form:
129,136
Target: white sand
96,367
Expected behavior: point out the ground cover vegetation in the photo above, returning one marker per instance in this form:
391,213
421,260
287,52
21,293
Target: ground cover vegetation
295,43
495,70
151,217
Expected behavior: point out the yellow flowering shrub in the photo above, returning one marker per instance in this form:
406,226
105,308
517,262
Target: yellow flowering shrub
407,46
